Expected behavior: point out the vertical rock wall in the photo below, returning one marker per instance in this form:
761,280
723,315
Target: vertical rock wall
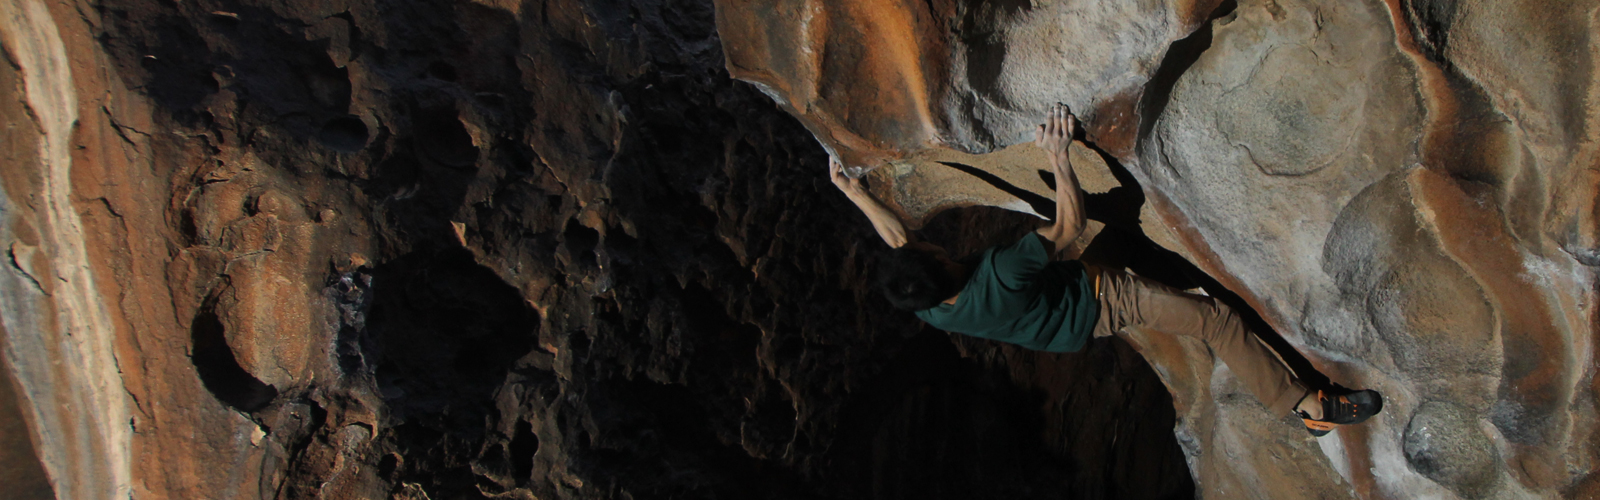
1405,190
59,337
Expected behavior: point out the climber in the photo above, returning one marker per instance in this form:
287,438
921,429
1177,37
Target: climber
1016,293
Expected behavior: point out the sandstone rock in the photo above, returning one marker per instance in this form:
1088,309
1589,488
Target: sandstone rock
969,76
59,335
1403,189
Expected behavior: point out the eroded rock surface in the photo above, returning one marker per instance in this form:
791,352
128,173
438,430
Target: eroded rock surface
548,249
491,249
1405,190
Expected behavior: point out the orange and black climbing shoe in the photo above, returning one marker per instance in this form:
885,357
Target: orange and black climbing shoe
1342,408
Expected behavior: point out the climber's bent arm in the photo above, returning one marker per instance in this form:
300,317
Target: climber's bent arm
1069,206
888,225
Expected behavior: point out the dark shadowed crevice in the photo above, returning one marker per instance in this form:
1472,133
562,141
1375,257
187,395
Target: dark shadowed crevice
1431,21
388,465
219,370
524,444
1180,57
344,134
442,137
580,242
351,296
442,333
178,78
442,71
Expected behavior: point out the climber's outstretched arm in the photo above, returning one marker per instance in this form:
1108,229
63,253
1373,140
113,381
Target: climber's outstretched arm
888,225
1054,137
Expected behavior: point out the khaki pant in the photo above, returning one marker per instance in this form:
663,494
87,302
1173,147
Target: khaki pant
1128,301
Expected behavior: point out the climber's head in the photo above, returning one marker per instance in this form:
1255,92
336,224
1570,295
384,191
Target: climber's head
919,276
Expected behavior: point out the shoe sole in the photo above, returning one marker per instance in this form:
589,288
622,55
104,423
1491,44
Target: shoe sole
1319,428
1367,397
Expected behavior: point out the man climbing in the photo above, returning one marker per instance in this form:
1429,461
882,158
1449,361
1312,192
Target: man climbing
1018,294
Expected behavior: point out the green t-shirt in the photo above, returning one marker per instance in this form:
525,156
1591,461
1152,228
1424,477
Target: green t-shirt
1017,295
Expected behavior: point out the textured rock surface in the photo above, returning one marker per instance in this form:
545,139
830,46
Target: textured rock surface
487,249
965,75
548,249
1404,189
60,338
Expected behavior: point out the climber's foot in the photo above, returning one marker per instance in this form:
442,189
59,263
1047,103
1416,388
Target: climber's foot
1341,408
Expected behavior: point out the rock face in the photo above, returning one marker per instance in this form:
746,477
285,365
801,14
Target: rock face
490,249
962,75
552,249
1405,190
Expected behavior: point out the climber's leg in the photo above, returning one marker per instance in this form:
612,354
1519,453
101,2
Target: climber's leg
1132,301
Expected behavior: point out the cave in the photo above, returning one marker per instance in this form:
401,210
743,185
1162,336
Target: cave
589,249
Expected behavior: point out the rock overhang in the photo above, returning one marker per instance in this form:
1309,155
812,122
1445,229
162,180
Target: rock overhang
1394,187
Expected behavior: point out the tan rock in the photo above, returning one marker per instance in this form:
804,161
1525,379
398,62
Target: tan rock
1403,189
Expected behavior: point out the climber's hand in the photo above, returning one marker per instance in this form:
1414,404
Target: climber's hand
1055,135
844,182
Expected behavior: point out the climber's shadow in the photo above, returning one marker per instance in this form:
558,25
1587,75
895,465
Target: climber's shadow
1040,204
1122,244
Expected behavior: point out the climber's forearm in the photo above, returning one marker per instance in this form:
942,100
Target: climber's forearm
1069,223
884,221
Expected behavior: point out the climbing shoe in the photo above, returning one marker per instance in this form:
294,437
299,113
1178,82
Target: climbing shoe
1342,408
